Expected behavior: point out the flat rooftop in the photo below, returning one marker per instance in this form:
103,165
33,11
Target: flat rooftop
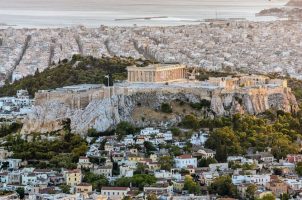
80,87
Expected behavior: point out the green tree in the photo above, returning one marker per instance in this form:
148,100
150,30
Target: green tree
124,128
223,186
250,192
299,168
285,196
192,186
190,122
149,147
79,151
92,132
138,180
62,161
152,196
62,152
127,198
188,147
175,131
225,142
166,108
20,192
140,168
166,162
267,197
65,189
97,181
205,162
174,150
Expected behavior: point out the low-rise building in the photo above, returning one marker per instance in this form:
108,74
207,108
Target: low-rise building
294,158
114,193
259,179
84,188
184,161
102,170
73,177
277,187
84,163
163,174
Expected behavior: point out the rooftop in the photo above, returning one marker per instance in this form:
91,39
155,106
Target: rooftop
186,156
114,188
80,87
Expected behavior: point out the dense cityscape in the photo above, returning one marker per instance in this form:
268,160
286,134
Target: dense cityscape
192,112
220,45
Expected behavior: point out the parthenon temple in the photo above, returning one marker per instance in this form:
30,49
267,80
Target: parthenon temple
157,73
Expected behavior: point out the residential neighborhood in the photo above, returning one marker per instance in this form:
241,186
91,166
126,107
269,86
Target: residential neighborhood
147,154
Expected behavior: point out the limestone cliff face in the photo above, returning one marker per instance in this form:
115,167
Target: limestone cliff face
296,3
106,113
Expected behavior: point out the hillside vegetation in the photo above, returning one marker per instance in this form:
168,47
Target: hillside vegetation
87,69
78,70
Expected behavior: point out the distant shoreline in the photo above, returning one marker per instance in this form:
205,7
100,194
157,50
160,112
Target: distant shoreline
129,12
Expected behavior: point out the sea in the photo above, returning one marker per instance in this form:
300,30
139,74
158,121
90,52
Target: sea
94,13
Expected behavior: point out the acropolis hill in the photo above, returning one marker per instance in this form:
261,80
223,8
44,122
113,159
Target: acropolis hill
139,99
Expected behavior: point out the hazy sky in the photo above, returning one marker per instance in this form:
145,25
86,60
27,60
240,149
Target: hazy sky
31,13
120,4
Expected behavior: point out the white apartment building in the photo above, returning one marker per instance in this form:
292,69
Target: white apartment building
219,166
256,179
168,136
29,179
149,131
129,139
163,174
184,161
295,184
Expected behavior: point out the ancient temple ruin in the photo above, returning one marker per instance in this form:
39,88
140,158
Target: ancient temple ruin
157,73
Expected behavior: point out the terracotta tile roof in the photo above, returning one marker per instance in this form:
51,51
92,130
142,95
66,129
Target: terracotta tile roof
185,156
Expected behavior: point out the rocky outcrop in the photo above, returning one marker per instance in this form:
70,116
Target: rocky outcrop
105,113
296,3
